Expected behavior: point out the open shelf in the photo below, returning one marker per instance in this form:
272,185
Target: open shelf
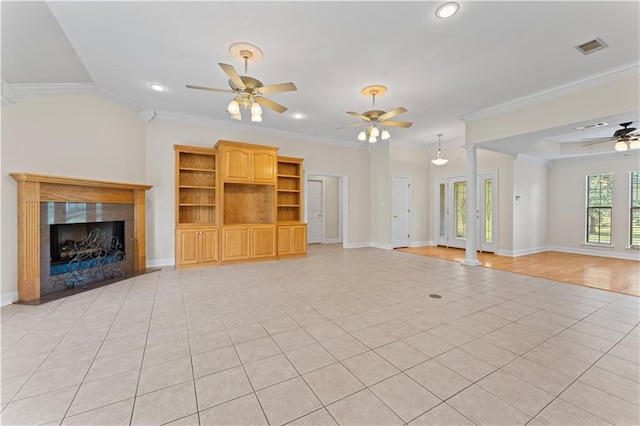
289,190
195,185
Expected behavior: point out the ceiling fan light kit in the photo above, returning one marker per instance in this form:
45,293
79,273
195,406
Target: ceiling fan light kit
376,121
248,90
439,160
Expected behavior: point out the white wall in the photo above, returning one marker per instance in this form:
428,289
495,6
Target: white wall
415,164
319,158
567,203
529,207
487,161
73,136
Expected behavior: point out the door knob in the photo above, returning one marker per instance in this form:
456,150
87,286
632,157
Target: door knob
395,216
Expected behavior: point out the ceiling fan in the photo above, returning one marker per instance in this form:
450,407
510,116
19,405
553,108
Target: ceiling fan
376,120
625,138
249,90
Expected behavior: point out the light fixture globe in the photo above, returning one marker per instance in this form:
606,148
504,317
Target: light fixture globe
234,107
362,136
621,146
439,160
256,109
634,144
385,135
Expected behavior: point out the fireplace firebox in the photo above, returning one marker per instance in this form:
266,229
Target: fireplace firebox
85,252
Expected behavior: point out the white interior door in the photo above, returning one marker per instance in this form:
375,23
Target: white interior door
314,212
400,210
451,214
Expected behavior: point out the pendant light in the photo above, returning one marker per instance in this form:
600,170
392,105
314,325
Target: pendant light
439,160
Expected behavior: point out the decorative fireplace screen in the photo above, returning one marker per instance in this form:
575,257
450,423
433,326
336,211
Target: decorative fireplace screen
82,253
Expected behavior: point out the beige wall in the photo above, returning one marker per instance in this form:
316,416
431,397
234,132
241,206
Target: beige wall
567,203
76,136
380,195
331,209
530,210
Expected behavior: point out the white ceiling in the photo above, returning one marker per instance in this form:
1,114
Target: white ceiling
487,54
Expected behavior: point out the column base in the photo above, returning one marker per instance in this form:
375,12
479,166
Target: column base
471,262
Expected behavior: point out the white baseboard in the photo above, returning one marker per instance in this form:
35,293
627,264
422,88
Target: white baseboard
422,243
8,298
154,263
523,252
596,252
386,246
357,245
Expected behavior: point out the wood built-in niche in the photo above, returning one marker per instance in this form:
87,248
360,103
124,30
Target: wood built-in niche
35,189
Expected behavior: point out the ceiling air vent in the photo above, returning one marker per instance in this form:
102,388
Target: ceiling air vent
591,46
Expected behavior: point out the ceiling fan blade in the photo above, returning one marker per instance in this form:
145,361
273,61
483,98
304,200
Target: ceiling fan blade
404,124
233,75
350,125
599,141
277,88
360,116
211,89
392,113
270,104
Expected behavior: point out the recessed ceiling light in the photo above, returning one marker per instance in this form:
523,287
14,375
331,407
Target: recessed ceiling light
298,115
157,87
448,9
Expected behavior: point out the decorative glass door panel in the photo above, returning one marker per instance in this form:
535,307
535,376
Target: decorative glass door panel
460,207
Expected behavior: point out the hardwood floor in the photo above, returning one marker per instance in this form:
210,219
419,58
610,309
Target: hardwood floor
621,276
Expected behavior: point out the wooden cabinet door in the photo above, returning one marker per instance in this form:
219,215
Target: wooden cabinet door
209,245
285,242
264,166
236,164
235,243
263,241
299,239
186,246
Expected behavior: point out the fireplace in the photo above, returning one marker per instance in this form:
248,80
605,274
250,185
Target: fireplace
44,201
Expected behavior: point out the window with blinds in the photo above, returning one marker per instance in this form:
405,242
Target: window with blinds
599,202
634,207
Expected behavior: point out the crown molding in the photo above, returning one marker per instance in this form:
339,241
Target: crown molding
623,71
32,90
7,94
240,126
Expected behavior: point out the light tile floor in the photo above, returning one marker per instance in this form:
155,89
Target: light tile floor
341,336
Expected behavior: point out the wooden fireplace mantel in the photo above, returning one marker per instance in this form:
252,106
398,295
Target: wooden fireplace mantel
34,189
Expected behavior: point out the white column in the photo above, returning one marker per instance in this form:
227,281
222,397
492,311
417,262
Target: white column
471,247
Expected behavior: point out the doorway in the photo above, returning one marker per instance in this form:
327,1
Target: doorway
451,214
324,208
